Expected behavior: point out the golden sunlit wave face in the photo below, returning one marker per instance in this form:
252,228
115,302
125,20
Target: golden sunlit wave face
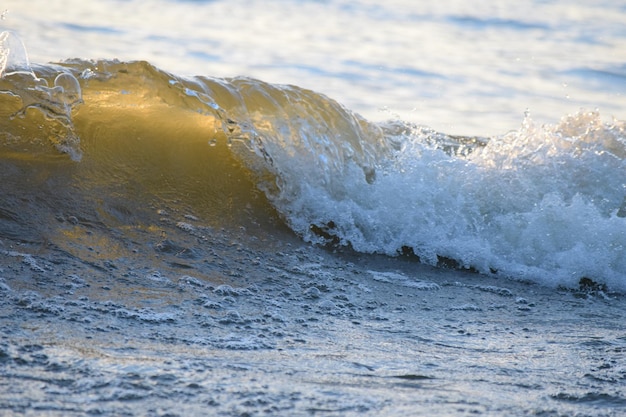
242,151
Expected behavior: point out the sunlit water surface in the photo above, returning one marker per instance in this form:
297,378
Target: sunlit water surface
459,67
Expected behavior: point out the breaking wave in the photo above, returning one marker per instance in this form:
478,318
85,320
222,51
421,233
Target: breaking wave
542,203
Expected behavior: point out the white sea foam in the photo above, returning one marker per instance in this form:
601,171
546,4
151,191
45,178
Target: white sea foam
544,203
403,280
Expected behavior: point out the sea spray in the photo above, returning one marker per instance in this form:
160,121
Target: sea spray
542,203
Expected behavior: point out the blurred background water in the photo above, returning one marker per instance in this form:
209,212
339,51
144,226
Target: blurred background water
458,67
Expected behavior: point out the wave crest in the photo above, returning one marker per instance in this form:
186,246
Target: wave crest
545,203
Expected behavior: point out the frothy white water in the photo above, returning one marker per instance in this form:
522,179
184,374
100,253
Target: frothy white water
543,203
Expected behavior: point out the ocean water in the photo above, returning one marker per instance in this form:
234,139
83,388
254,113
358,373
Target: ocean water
312,208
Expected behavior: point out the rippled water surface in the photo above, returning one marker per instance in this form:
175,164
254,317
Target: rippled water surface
304,334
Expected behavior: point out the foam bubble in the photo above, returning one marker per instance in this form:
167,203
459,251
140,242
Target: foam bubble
70,91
